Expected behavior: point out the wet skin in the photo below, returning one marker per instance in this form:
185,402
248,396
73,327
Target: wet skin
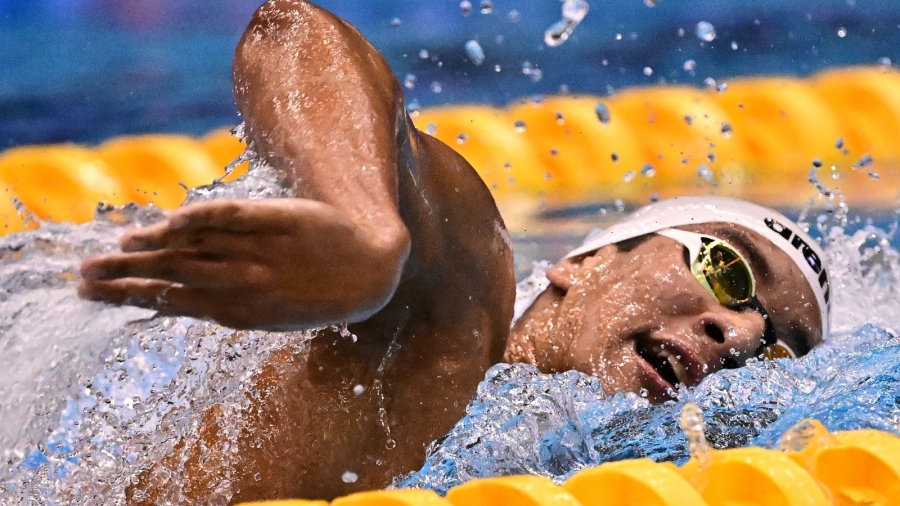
618,314
391,231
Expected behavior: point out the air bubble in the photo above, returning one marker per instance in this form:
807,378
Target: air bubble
349,477
520,126
648,171
396,23
705,173
466,7
629,176
648,71
487,7
514,16
436,87
689,65
359,390
461,139
409,82
842,32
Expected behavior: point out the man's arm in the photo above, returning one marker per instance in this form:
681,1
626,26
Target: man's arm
334,254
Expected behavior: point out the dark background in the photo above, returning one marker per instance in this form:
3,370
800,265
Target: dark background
87,70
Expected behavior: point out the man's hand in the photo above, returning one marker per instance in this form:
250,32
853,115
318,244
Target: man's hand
275,264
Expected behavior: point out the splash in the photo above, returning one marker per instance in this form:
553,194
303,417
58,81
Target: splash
93,394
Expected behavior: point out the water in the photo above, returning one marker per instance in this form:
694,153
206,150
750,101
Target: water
93,394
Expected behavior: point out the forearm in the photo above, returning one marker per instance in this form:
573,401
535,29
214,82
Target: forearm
322,107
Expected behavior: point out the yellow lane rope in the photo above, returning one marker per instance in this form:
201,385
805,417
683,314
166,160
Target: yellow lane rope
760,139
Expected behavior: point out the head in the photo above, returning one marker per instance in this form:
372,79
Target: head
627,308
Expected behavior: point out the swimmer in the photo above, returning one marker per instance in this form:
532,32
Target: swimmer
394,233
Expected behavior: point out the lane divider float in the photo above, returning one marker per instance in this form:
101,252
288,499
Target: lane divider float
762,138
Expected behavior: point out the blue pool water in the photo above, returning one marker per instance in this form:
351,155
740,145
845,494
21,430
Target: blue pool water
525,422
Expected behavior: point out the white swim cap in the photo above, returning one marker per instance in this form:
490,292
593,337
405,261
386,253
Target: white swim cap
774,226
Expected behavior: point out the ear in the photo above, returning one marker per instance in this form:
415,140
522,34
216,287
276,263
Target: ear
562,275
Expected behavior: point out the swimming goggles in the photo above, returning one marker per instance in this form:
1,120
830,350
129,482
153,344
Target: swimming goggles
725,274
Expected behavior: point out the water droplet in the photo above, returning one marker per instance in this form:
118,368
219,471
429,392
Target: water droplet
349,477
689,65
359,390
602,112
692,426
461,139
629,176
475,52
648,170
487,7
409,81
842,32
865,161
726,130
706,31
705,173
396,23
466,7
573,11
514,16
520,126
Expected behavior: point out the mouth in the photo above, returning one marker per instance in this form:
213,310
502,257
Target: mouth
665,359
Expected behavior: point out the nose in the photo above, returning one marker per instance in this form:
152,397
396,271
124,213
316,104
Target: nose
731,337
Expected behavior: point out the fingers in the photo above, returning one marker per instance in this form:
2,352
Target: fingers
207,241
175,266
165,297
240,216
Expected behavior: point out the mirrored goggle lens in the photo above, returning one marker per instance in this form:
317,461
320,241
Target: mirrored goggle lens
727,273
777,350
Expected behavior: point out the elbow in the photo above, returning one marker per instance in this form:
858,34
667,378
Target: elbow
387,262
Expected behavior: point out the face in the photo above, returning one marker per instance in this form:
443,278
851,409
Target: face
633,315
